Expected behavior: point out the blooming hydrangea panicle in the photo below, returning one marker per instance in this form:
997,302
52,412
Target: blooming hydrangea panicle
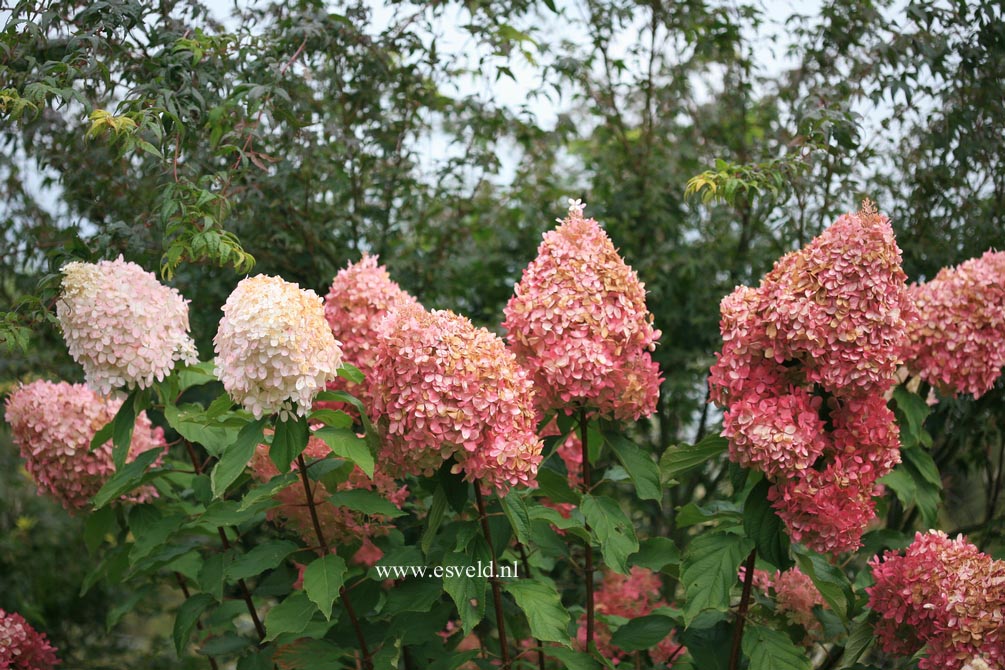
629,596
795,596
444,388
360,297
942,595
957,341
121,324
22,647
275,350
578,322
53,424
805,362
339,524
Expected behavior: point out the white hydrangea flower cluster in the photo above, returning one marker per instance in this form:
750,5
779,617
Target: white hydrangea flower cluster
275,350
122,325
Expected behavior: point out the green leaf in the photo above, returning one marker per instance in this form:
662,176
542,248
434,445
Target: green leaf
722,511
122,426
433,520
613,530
127,478
540,602
267,490
761,524
388,656
293,615
346,444
832,584
115,614
677,460
366,502
323,579
769,649
641,468
515,508
97,526
261,558
212,573
331,417
195,375
709,569
924,465
289,441
185,620
193,424
911,410
643,632
860,640
467,592
351,373
656,553
571,659
236,456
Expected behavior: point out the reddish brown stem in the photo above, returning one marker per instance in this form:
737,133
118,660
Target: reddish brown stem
323,544
493,579
586,485
741,612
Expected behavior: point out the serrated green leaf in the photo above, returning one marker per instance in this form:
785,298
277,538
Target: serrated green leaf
467,592
123,424
709,570
261,558
323,579
366,502
437,508
540,602
186,618
289,441
769,649
655,553
290,616
613,530
640,466
860,639
761,524
832,584
643,632
351,373
236,456
346,444
127,478
331,417
571,659
678,459
515,508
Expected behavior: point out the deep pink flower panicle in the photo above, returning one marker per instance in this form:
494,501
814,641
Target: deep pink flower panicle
22,647
444,388
629,596
945,596
53,424
121,324
578,322
957,343
339,524
360,297
275,350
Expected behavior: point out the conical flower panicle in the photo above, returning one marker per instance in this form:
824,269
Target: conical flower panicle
805,361
54,423
22,647
443,388
578,322
275,350
121,324
958,340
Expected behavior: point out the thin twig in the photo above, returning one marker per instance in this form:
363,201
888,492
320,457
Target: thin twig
741,613
585,484
493,579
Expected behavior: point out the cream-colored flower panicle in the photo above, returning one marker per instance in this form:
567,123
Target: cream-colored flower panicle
122,325
275,350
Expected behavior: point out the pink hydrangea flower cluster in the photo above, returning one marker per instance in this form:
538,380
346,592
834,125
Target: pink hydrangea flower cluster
630,596
578,322
22,647
275,350
805,361
943,595
339,524
795,595
444,388
361,296
122,325
957,341
53,424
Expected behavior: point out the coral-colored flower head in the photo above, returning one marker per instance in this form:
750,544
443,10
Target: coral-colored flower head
958,340
578,321
275,350
22,647
445,388
121,324
340,525
54,423
943,595
805,361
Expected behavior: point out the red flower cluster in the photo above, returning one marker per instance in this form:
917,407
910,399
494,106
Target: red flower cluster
795,595
339,524
629,596
578,321
957,341
444,388
22,647
805,361
942,595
